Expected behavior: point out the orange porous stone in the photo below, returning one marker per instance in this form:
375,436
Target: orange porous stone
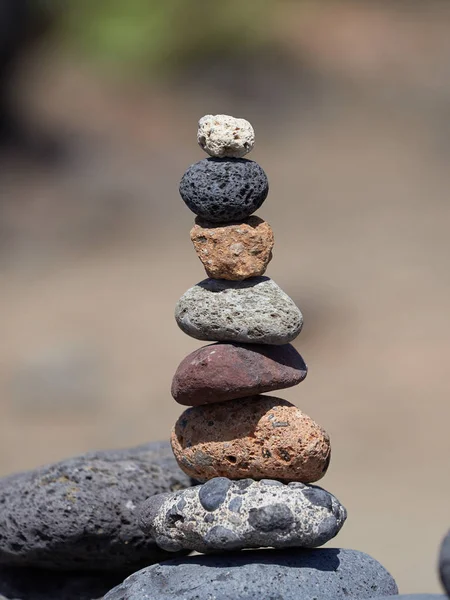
261,437
235,252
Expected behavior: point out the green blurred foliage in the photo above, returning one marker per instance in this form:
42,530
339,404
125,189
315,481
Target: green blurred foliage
164,35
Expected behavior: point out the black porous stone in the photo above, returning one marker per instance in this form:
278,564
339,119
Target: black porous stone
82,513
293,574
212,494
223,190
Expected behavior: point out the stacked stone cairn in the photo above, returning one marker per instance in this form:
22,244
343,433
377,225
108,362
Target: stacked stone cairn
256,455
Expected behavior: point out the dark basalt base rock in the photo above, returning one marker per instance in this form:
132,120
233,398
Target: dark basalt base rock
81,513
294,574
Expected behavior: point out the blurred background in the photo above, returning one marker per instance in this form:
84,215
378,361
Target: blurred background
99,103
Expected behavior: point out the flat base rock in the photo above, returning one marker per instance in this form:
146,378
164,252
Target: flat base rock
40,584
233,515
220,372
444,563
294,574
81,513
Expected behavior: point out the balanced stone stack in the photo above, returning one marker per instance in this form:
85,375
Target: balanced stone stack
256,455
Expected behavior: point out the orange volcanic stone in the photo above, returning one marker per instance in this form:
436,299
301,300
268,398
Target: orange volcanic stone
261,437
235,252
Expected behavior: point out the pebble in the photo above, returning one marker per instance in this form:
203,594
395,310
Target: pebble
232,515
254,311
222,190
294,574
220,372
235,252
42,584
262,437
81,513
444,563
225,136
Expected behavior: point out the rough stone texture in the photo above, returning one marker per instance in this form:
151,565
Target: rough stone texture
261,438
233,515
254,311
236,251
225,136
40,584
222,372
222,190
444,563
81,513
294,574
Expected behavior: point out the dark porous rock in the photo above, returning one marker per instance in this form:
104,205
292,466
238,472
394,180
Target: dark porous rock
444,563
294,574
222,372
220,515
81,513
18,583
254,311
222,190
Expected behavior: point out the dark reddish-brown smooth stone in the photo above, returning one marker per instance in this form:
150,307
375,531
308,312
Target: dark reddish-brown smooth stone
220,372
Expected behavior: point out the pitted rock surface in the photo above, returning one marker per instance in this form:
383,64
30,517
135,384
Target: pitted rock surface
444,563
220,372
254,311
80,514
293,574
232,515
225,136
236,251
222,190
262,437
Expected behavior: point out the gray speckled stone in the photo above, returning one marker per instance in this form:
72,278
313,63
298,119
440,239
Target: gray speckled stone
444,563
252,311
223,190
219,515
81,513
294,574
40,584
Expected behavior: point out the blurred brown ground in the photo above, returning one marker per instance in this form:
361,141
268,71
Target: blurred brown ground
94,254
